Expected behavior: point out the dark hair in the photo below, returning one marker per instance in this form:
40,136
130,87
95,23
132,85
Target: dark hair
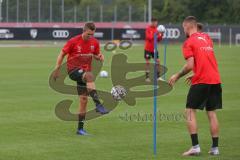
191,19
89,25
199,26
154,19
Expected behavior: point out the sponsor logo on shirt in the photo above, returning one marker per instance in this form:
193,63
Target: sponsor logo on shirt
203,39
206,49
92,48
86,55
79,49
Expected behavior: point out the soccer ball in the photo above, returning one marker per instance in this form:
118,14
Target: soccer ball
104,74
118,92
161,28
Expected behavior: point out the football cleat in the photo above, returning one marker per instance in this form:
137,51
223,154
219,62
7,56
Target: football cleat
214,151
160,79
100,108
148,80
82,132
193,151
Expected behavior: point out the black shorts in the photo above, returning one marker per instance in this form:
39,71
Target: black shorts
77,75
205,95
149,55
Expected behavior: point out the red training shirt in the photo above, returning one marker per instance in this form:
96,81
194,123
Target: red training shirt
200,47
80,52
149,38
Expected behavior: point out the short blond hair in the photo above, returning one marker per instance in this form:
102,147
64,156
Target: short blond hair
191,19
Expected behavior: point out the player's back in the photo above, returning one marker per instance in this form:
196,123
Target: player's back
205,64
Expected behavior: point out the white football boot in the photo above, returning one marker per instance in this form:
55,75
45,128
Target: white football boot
214,151
160,79
148,80
193,151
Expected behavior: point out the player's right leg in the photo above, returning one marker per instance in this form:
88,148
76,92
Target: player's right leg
195,99
192,129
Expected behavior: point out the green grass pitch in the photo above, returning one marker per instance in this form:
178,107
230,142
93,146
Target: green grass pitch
29,129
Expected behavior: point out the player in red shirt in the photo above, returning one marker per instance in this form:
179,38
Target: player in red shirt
79,51
149,47
205,90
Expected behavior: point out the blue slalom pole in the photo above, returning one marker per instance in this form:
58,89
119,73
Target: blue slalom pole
155,98
165,56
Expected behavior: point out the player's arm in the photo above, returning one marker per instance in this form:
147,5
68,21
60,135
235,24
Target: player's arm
188,79
98,55
60,59
185,70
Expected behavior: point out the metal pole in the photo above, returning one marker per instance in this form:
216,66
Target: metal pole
219,41
39,10
114,21
28,11
75,14
115,14
149,10
112,31
17,12
50,10
230,37
145,14
101,13
88,16
7,10
62,11
129,13
0,10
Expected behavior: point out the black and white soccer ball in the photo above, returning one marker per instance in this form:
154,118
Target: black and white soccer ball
161,29
118,92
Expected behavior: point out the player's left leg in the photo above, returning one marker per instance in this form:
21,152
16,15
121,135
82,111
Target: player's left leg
89,78
76,75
